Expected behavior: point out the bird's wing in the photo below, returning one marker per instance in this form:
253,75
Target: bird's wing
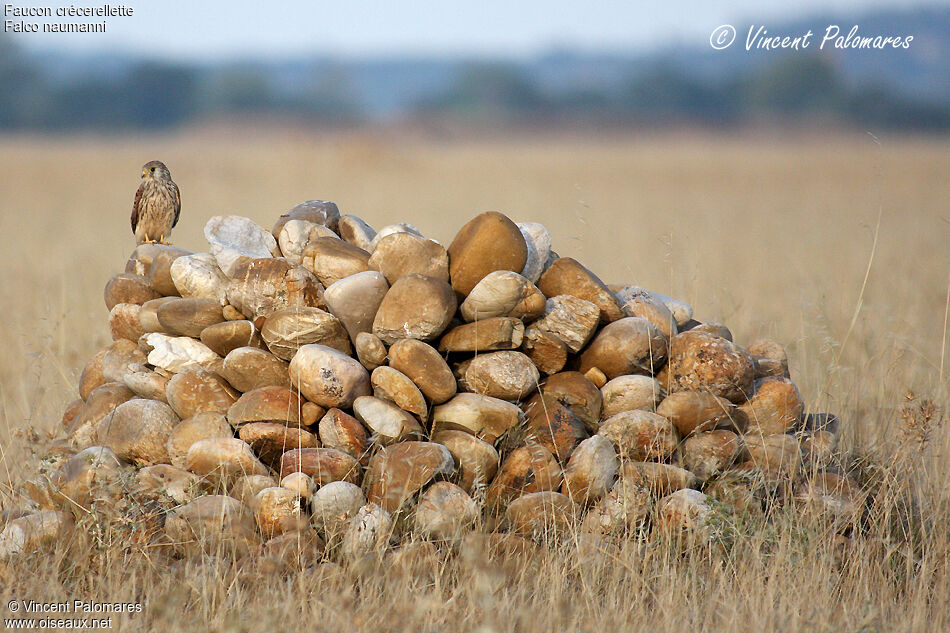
177,204
135,205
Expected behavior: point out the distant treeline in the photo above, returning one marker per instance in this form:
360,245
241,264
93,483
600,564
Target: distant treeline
136,95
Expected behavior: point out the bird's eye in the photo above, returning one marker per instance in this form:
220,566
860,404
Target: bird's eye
152,170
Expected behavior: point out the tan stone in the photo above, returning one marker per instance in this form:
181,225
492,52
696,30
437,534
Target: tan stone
476,460
138,431
84,430
591,471
695,411
570,319
266,404
148,314
179,485
444,512
371,351
567,276
387,422
538,240
765,367
128,288
223,459
775,407
708,454
160,273
119,358
331,259
503,293
542,514
93,474
317,211
175,354
301,484
684,512
146,383
72,410
425,367
716,329
140,261
345,433
767,348
596,376
624,509
486,243
297,234
322,464
311,413
328,377
391,384
287,330
188,317
660,479
270,440
124,322
630,345
702,362
277,510
546,351
505,375
369,532
415,307
401,254
625,393
578,393
500,333
213,523
640,435
777,457
354,300
246,487
248,368
397,472
355,231
333,505
202,426
198,275
261,287
29,533
91,376
553,424
484,417
224,338
646,306
197,390
530,468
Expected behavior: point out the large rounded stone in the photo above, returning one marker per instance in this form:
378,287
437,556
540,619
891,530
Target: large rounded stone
270,440
128,288
203,426
199,276
591,471
775,407
444,511
355,231
630,345
415,307
397,472
503,293
101,402
160,273
369,532
570,319
248,368
641,435
322,464
542,514
124,322
392,384
527,469
624,509
504,375
328,377
484,336
188,317
148,314
138,431
425,367
684,512
223,460
703,362
695,411
333,505
91,376
546,351
625,393
354,300
708,454
277,510
483,416
387,422
553,424
29,533
266,404
234,239
122,357
402,254
176,354
370,350
261,287
224,338
196,390
296,235
660,479
163,480
322,212
777,457
567,276
246,487
577,392
345,433
287,330
476,460
146,383
213,523
331,259
647,306
538,240
487,243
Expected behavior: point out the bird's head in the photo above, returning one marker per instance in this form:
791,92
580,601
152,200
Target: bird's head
155,169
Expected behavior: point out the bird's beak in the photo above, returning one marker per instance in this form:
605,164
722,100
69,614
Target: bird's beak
144,173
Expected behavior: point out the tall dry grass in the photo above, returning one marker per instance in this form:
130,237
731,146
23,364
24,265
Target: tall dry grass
835,247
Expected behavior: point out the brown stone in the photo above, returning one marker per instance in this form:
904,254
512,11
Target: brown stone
328,377
224,338
119,358
188,317
140,261
503,293
415,307
388,423
487,243
641,435
261,287
277,511
527,469
625,393
247,368
684,512
213,524
578,393
708,454
124,322
371,351
503,375
596,376
311,413
301,483
476,460
391,384
322,464
164,480
444,512
246,487
777,457
355,231
695,411
266,404
425,367
356,299
775,407
83,432
570,319
624,509
138,431
401,254
317,211
332,259
541,514
270,440
482,416
716,329
72,410
287,330
702,362
630,345
197,390
147,383
591,471
499,333
660,479
546,351
345,433
223,459
91,376
553,425
128,288
333,505
646,306
160,273
567,276
397,472
202,426
148,314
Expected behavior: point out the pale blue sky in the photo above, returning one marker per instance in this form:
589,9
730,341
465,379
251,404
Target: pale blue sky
214,29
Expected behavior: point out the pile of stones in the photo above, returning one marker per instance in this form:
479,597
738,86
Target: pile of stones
343,390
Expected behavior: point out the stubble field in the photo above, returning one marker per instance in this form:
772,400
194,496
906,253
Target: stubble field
837,248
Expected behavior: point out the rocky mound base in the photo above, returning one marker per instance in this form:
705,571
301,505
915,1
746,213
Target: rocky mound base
331,391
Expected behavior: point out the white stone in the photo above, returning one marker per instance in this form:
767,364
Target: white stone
391,229
198,276
296,234
232,237
175,354
538,240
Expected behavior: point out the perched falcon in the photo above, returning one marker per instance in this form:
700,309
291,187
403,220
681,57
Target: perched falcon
156,206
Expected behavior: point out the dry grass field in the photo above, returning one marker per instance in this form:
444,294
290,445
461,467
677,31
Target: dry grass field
837,248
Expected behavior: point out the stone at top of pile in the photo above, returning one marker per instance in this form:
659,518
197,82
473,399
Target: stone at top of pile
286,368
